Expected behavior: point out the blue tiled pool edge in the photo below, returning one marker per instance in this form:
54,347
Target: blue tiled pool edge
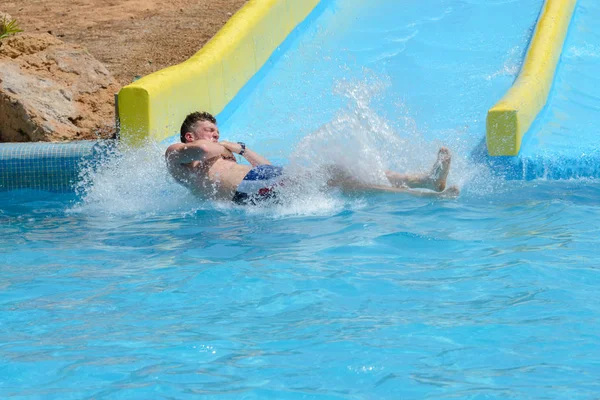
543,165
53,167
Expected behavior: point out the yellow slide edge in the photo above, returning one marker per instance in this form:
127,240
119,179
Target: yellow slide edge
155,106
510,118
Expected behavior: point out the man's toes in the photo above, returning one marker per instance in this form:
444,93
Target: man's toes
443,153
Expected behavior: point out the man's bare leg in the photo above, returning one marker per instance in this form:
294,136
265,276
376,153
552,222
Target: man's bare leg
450,192
435,180
339,178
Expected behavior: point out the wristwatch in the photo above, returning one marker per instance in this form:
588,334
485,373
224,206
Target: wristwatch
243,148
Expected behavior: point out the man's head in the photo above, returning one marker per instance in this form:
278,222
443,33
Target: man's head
199,125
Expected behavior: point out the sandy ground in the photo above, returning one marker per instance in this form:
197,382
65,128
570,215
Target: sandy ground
130,37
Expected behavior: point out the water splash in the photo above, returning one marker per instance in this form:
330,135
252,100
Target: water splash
132,181
366,144
355,139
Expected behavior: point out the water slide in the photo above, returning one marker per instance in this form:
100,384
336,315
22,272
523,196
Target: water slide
562,142
413,76
284,75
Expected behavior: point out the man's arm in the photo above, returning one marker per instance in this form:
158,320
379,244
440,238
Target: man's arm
200,150
253,158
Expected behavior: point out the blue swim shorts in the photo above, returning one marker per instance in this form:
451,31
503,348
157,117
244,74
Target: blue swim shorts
258,185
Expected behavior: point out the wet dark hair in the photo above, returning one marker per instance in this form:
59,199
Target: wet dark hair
190,121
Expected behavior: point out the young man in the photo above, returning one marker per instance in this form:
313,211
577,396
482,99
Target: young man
208,168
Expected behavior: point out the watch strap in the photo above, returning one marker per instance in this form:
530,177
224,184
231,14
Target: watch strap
243,145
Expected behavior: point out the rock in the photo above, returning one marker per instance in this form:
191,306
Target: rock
53,91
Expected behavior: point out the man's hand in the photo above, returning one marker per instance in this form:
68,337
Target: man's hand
232,147
227,154
199,150
249,155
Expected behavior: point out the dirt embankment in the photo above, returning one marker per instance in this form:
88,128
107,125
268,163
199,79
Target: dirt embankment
56,78
130,37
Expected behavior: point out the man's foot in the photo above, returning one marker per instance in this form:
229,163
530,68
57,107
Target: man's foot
439,172
451,193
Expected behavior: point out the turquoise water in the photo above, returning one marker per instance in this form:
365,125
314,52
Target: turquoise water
382,297
132,288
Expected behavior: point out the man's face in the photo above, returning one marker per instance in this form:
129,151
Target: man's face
204,130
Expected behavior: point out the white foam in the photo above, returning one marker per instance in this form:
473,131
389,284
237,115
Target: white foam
587,50
511,66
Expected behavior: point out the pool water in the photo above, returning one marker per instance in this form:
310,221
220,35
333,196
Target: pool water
379,297
132,288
